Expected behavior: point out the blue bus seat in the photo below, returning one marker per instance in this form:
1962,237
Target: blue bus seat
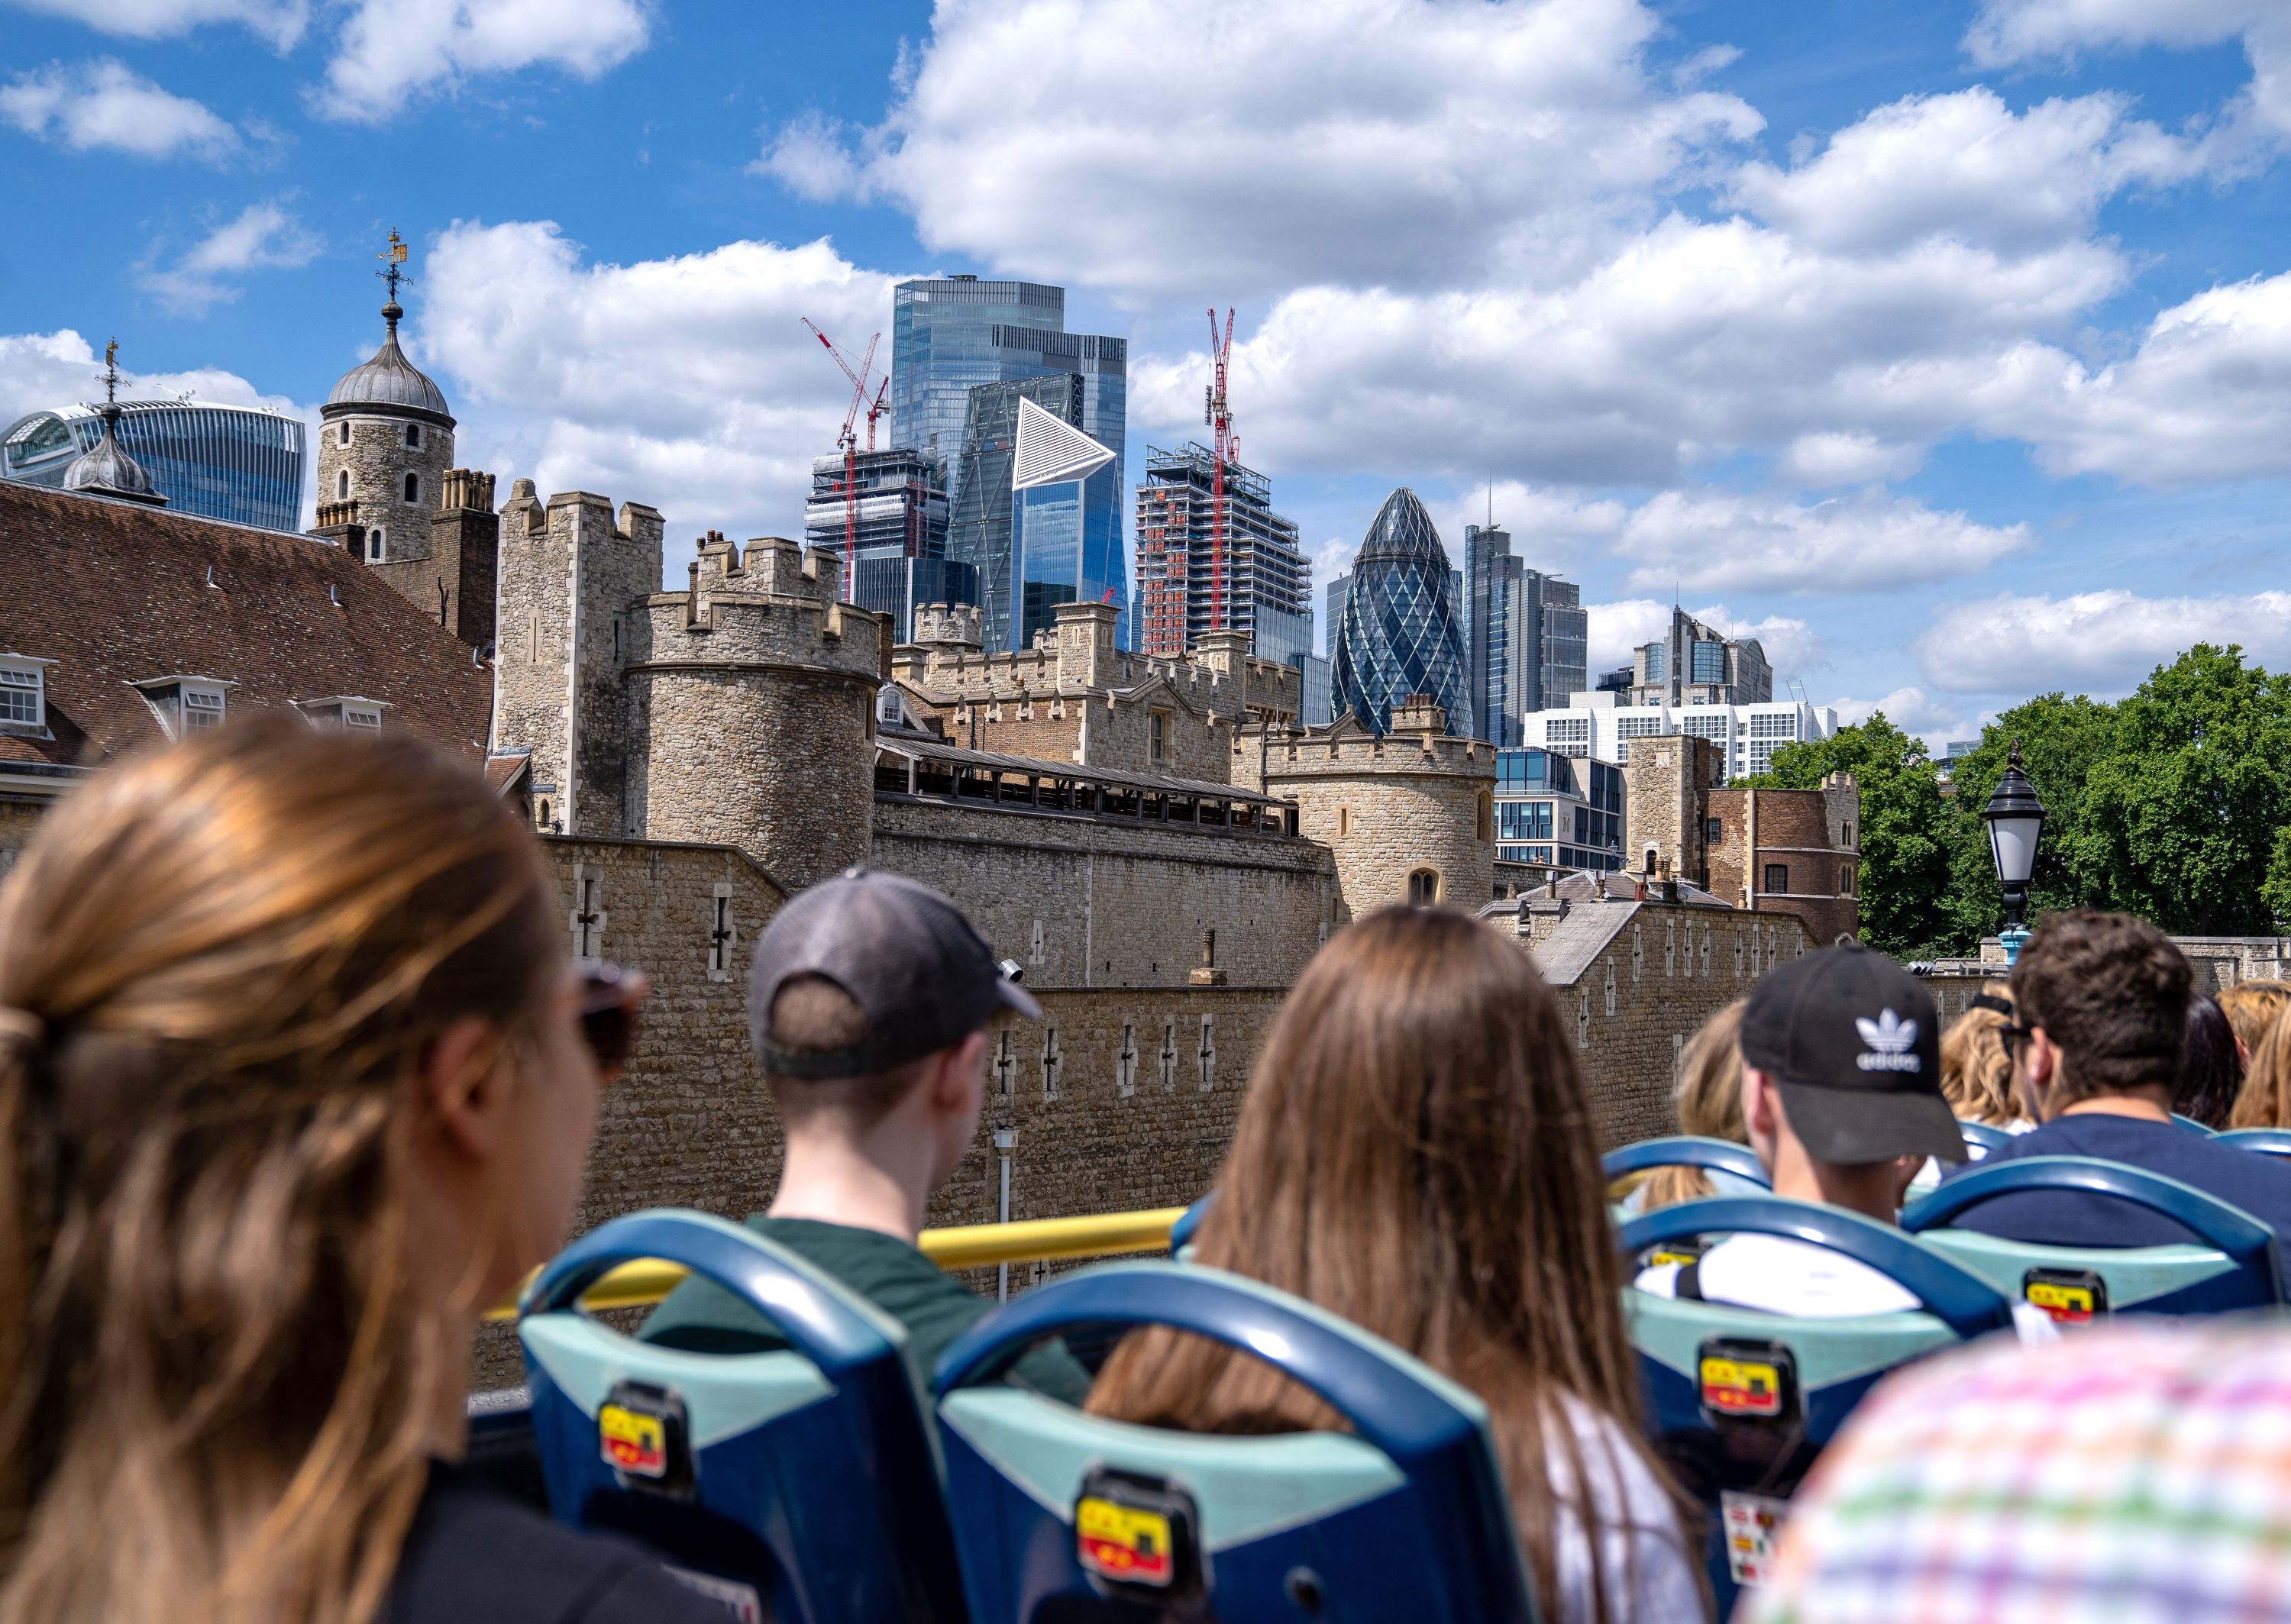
806,1481
2232,1265
2191,1125
1684,1150
1189,1221
1983,1135
1068,1517
2266,1141
1742,1402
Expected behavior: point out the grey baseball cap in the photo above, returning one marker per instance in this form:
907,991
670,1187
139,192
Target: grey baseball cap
918,970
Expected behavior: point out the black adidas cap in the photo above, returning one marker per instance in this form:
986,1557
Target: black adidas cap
1854,1043
922,976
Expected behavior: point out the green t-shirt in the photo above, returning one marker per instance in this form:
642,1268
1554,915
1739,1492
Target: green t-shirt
702,1317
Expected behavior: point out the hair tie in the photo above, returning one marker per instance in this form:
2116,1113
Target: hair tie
22,1025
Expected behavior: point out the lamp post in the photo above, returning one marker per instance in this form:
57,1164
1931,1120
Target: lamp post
2016,822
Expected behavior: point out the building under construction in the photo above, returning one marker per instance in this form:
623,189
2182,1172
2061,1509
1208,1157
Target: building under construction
895,519
1261,585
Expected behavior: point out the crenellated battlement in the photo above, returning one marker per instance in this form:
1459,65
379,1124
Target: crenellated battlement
945,663
771,603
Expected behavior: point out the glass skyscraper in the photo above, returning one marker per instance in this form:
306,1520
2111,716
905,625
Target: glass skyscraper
946,338
236,464
1400,632
1525,639
1032,549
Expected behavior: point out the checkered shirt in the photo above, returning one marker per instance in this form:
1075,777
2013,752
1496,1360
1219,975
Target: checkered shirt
2136,1474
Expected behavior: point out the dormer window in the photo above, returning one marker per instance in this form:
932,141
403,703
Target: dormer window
23,693
344,712
186,705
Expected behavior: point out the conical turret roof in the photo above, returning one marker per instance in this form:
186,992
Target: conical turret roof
388,382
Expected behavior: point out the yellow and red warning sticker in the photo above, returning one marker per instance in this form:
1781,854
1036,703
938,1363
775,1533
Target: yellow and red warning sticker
1124,1543
2069,1303
1739,1386
633,1442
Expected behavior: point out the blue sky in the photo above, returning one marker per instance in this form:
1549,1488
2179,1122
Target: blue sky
1947,346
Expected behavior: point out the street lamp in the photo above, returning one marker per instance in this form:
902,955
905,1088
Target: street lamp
2016,822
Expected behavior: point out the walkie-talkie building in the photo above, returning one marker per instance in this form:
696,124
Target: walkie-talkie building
1401,633
238,463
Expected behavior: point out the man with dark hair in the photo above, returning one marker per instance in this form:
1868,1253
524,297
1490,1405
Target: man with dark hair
868,1006
2101,1004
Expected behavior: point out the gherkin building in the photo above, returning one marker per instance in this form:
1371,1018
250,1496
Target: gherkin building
1402,630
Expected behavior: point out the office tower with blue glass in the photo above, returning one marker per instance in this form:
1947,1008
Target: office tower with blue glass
238,463
1526,636
1695,664
1033,515
1401,631
953,336
1556,812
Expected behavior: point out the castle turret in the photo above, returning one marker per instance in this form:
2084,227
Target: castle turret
572,577
385,441
754,691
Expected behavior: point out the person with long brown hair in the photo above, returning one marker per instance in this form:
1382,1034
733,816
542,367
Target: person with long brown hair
1709,1100
1416,1152
292,1086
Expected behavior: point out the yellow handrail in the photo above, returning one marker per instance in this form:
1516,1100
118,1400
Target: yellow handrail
636,1285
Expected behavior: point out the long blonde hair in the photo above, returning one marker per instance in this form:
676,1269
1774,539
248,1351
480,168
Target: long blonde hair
221,965
2251,1007
1976,1075
2264,1100
1416,1152
1709,1096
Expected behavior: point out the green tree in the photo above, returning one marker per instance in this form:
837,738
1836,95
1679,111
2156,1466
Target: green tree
2182,821
1906,833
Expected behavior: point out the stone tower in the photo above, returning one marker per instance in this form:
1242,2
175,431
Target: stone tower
753,692
1409,816
385,441
573,577
1667,784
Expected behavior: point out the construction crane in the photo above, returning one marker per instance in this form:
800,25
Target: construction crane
1218,416
848,441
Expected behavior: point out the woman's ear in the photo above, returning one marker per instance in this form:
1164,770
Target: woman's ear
463,1092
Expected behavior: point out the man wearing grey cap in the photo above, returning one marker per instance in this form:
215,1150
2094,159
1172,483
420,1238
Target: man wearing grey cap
868,1005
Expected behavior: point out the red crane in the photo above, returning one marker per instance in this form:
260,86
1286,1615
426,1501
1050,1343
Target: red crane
1218,416
848,441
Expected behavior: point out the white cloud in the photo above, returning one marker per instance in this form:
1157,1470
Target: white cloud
1825,461
105,104
2206,395
2008,33
1706,540
2104,643
391,50
280,22
263,237
47,370
1187,146
1966,165
686,383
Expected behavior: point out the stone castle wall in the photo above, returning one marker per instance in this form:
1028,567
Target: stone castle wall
1084,903
1665,784
1803,831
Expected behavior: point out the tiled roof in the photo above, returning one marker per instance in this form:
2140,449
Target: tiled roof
116,593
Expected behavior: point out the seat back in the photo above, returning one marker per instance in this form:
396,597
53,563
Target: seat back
2233,1263
1983,1135
1188,1224
806,1481
1684,1150
1064,1516
2191,1125
1739,1401
2266,1141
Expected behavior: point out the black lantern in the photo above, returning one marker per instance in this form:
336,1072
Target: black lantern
2016,822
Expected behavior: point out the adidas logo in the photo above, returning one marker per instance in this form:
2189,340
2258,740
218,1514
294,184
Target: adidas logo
1891,1038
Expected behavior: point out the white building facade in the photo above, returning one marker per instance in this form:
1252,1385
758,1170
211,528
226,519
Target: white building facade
1594,727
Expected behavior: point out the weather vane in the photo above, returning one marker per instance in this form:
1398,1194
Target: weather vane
395,256
110,374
